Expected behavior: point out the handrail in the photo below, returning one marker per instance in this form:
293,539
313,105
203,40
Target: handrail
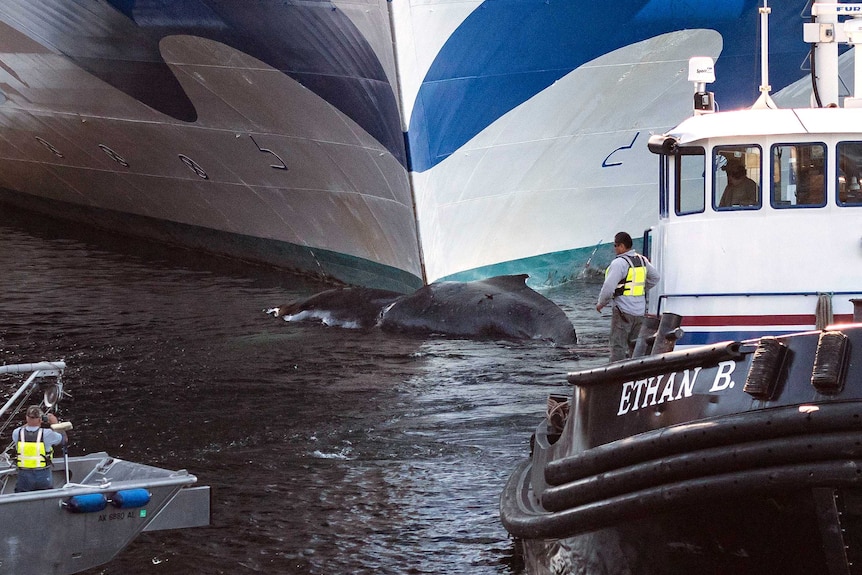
640,367
174,480
25,367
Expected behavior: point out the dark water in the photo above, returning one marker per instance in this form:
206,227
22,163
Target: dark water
328,450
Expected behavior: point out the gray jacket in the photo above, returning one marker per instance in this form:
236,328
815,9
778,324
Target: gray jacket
616,273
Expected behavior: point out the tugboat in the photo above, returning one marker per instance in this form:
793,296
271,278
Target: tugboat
99,503
732,441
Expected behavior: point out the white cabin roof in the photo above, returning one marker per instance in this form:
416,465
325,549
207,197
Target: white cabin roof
741,124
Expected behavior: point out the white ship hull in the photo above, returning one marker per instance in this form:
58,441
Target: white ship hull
386,144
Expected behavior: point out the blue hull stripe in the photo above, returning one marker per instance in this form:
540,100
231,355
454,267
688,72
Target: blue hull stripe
507,51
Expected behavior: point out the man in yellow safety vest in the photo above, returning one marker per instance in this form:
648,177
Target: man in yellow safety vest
35,446
627,280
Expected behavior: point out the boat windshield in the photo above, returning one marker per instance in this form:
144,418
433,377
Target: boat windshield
690,182
849,176
798,175
736,180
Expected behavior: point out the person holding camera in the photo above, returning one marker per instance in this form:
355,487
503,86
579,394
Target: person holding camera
35,443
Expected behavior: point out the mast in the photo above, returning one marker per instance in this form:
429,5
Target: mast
825,33
825,59
765,100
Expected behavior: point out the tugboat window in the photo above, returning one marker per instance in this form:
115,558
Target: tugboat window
736,178
690,181
849,174
798,175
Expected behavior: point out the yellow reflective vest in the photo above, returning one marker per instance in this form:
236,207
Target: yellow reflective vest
31,450
635,280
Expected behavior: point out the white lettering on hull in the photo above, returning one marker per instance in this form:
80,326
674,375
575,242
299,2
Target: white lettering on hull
722,376
644,393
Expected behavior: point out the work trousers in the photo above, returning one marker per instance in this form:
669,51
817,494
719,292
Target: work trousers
34,480
624,334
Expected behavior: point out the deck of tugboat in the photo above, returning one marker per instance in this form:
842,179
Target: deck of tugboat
762,432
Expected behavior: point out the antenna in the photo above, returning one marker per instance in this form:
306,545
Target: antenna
765,100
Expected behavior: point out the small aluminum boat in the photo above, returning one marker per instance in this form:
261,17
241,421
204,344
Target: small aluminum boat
99,503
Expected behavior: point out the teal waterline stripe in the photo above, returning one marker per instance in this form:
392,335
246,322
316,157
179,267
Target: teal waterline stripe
548,270
321,264
545,270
